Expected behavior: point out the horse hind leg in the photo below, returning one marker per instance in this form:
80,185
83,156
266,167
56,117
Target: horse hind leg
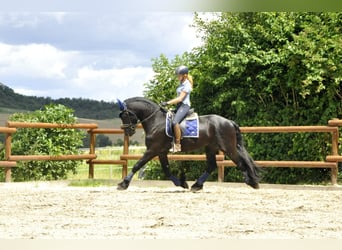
211,166
235,150
250,169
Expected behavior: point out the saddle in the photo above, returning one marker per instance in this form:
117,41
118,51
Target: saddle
189,126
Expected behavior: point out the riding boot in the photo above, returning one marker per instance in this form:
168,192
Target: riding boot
177,132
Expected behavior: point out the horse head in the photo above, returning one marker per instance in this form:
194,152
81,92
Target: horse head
128,118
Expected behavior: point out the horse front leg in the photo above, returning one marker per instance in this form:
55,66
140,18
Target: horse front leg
148,155
164,162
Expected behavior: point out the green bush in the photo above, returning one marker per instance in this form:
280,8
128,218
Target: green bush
46,142
290,147
2,138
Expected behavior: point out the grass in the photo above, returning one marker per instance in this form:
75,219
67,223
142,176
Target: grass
115,123
92,183
105,172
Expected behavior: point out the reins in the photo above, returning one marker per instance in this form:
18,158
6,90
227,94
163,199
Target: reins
150,116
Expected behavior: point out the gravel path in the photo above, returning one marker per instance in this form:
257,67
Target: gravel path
149,210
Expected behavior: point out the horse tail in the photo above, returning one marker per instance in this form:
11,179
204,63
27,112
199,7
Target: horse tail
246,163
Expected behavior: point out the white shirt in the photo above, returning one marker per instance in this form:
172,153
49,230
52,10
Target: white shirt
185,87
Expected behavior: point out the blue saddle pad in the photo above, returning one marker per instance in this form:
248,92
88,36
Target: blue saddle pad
189,126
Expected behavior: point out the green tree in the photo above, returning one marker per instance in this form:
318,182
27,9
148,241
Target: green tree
101,141
263,69
119,142
163,86
46,142
84,108
271,68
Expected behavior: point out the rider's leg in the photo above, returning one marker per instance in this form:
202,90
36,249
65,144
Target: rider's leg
177,132
181,113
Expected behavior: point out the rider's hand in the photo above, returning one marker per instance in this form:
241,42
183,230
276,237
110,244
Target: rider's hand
163,104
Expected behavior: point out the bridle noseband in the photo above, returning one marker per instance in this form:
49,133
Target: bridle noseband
131,125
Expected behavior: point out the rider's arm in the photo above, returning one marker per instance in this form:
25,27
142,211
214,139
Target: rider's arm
178,99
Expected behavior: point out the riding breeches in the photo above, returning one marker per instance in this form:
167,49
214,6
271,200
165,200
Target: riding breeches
181,112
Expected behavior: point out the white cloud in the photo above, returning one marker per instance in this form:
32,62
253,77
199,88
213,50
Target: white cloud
31,92
112,83
88,55
33,60
56,73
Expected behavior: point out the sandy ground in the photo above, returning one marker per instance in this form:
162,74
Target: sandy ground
149,210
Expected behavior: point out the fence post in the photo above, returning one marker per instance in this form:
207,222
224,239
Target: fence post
91,151
334,171
8,142
8,174
8,152
125,151
220,170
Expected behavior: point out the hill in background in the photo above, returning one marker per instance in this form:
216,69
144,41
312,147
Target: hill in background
84,108
105,114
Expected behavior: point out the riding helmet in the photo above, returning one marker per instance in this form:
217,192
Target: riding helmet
182,70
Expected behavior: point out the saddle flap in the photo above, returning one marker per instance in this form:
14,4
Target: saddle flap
189,126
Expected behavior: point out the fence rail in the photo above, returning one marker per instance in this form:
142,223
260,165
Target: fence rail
288,129
51,125
92,128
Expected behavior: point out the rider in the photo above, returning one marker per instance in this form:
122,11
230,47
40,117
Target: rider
183,103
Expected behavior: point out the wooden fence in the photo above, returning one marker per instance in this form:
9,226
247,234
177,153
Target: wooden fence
330,162
10,160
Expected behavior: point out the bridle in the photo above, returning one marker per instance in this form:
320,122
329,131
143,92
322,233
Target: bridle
132,125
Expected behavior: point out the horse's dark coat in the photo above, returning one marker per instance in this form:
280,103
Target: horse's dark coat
216,133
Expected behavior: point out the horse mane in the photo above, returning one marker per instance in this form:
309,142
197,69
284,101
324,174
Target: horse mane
141,99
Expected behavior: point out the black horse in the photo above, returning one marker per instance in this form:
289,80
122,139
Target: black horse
216,133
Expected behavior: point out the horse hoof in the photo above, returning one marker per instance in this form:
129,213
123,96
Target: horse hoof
254,185
196,187
185,185
123,185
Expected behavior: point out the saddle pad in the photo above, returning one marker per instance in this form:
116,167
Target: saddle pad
189,126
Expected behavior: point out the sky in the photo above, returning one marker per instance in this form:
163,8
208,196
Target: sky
101,56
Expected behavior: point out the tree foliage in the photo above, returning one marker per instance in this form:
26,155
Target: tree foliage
163,86
276,68
100,141
267,69
46,142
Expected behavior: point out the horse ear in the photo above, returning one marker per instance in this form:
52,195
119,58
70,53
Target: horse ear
121,104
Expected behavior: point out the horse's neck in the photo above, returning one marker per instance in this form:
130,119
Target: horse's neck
149,115
143,109
153,122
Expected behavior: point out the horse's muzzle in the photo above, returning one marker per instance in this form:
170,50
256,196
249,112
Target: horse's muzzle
129,130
